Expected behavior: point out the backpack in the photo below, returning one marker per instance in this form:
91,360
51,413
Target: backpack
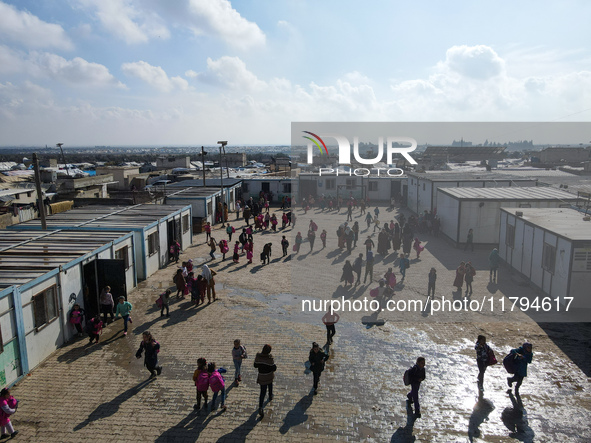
509,363
492,359
243,351
406,377
171,250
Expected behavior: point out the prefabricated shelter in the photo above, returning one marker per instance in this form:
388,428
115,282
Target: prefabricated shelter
552,248
462,209
202,201
155,227
275,187
42,276
373,186
421,193
232,189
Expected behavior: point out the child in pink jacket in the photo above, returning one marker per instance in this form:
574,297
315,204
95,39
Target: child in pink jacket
201,379
216,383
8,406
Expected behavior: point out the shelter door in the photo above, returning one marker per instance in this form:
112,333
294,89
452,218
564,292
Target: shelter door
112,273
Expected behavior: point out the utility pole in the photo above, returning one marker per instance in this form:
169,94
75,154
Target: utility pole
222,145
40,204
203,164
59,145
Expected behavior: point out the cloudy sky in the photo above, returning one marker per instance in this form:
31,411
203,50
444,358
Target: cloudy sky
191,72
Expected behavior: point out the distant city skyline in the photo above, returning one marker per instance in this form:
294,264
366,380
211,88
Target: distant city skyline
191,72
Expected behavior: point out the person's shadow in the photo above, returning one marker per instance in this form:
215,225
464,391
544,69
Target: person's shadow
189,428
404,434
297,415
109,408
240,433
480,413
515,419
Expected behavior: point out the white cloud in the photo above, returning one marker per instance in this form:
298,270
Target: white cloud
478,62
28,30
127,20
219,18
10,61
474,83
154,76
230,72
75,72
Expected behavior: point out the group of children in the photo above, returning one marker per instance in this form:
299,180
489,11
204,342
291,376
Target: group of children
207,376
186,283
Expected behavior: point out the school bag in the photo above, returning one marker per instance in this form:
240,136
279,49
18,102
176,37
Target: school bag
509,363
492,359
406,377
244,354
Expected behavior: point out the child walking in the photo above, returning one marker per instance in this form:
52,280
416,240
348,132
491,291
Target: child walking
416,376
165,297
8,406
94,328
238,354
217,385
76,317
432,280
124,309
151,348
201,379
236,255
201,288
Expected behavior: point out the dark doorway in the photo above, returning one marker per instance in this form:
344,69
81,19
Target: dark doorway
395,189
265,187
174,234
91,290
98,274
112,273
307,188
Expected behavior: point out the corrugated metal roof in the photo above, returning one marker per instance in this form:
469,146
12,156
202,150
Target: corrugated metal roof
209,182
117,218
469,175
509,193
26,255
565,222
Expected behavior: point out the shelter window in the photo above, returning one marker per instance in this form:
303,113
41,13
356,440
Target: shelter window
45,307
244,187
373,185
123,254
1,343
286,188
350,183
331,183
510,236
548,257
153,243
185,223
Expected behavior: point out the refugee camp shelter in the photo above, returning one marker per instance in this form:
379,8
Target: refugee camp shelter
154,227
552,248
461,209
42,276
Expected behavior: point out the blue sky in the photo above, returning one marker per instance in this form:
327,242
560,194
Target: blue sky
191,72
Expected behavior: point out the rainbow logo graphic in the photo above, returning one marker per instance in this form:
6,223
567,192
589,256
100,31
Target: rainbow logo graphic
315,142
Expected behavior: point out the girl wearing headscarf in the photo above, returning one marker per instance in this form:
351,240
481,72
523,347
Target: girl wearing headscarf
208,275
